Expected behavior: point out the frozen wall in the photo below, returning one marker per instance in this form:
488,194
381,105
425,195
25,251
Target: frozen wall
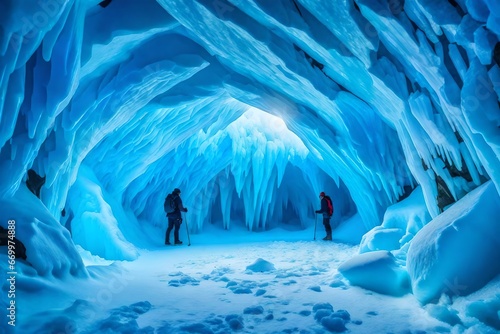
383,98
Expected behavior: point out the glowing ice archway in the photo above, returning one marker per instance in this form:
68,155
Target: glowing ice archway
239,167
253,171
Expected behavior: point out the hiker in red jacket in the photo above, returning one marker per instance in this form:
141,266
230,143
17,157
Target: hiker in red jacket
327,211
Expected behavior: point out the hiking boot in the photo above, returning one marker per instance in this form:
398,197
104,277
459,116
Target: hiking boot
167,243
328,238
178,242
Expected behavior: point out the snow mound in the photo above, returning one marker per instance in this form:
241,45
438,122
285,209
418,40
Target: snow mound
323,306
49,248
401,222
241,287
377,271
261,265
183,280
124,320
487,311
381,238
316,288
444,313
253,310
235,321
95,226
332,321
458,252
333,324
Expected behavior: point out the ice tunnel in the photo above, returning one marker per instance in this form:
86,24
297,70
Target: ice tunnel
136,123
252,108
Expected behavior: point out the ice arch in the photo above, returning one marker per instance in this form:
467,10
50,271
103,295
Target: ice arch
254,172
255,169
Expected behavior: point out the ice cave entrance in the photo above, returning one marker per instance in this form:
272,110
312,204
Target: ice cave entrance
251,175
270,181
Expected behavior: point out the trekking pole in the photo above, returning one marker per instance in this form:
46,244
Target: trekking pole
315,223
187,230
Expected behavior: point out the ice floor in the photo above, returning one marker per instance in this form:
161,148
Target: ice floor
207,288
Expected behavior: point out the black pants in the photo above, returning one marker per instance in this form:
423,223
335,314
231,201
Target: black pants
173,222
328,227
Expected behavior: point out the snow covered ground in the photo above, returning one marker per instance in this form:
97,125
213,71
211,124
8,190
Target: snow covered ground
207,288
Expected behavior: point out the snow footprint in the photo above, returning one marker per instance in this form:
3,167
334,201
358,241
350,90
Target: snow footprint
182,280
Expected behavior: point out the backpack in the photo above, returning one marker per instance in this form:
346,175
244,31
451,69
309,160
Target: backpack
169,204
330,205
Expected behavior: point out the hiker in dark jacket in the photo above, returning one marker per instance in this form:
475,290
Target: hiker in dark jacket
175,218
327,214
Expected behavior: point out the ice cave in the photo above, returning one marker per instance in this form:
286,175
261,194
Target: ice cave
247,111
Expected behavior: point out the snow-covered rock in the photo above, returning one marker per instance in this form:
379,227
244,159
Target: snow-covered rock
377,271
261,265
49,247
459,251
